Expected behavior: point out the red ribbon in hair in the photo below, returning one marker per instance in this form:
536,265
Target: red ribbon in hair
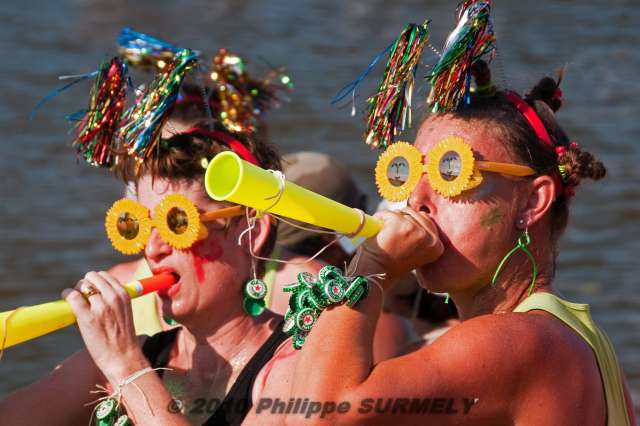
531,116
228,140
536,124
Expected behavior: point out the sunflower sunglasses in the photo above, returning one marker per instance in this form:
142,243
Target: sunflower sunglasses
128,223
450,167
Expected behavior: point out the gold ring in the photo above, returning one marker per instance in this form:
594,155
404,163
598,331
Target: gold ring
89,291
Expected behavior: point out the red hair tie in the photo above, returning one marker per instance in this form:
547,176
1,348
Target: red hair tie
231,142
557,94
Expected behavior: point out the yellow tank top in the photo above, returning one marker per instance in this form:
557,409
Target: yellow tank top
576,316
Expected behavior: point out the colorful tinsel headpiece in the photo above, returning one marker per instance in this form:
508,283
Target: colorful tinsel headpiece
95,139
104,130
472,38
146,52
239,100
139,134
235,99
390,107
242,99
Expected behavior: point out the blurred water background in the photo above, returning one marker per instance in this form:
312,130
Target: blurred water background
52,207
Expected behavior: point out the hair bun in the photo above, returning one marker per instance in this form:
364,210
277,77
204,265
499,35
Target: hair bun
589,167
548,91
578,165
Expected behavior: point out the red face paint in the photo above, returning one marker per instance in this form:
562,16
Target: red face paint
204,253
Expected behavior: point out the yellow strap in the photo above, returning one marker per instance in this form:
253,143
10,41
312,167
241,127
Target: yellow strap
222,213
505,168
578,318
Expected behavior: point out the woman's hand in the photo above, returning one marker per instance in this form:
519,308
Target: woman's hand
408,239
103,310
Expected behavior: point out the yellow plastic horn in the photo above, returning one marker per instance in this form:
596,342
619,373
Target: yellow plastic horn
229,178
29,322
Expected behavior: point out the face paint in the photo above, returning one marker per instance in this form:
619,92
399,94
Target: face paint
491,218
198,263
204,253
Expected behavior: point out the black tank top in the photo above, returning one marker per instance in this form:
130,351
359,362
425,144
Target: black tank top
237,402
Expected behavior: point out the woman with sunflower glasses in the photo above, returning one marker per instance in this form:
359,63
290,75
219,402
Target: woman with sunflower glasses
228,349
488,185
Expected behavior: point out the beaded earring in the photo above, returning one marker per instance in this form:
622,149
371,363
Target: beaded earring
255,290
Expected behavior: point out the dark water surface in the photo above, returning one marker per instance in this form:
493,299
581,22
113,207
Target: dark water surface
52,208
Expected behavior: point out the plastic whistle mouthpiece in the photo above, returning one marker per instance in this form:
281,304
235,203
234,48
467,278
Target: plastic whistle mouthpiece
149,285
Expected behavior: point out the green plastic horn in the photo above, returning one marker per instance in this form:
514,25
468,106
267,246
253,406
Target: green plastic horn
230,178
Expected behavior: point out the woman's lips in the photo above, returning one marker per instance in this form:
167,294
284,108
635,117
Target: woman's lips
173,289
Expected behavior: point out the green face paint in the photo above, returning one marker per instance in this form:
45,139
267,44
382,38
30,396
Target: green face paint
491,218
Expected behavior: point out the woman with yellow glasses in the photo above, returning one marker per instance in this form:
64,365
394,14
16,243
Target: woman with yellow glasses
228,349
488,185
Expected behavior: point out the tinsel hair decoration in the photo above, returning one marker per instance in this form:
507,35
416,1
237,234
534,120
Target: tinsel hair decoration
472,38
140,133
390,107
241,98
96,129
144,51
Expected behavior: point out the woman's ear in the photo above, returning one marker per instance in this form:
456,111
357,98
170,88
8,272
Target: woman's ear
540,197
260,233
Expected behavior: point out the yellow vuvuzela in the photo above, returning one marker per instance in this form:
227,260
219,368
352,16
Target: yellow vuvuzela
229,178
29,322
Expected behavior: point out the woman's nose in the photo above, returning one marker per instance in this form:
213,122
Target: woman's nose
156,248
421,198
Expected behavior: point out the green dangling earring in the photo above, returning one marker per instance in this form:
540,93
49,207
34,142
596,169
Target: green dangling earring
523,241
255,290
170,321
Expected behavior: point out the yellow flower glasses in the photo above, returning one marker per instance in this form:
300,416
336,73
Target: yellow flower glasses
450,167
176,218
